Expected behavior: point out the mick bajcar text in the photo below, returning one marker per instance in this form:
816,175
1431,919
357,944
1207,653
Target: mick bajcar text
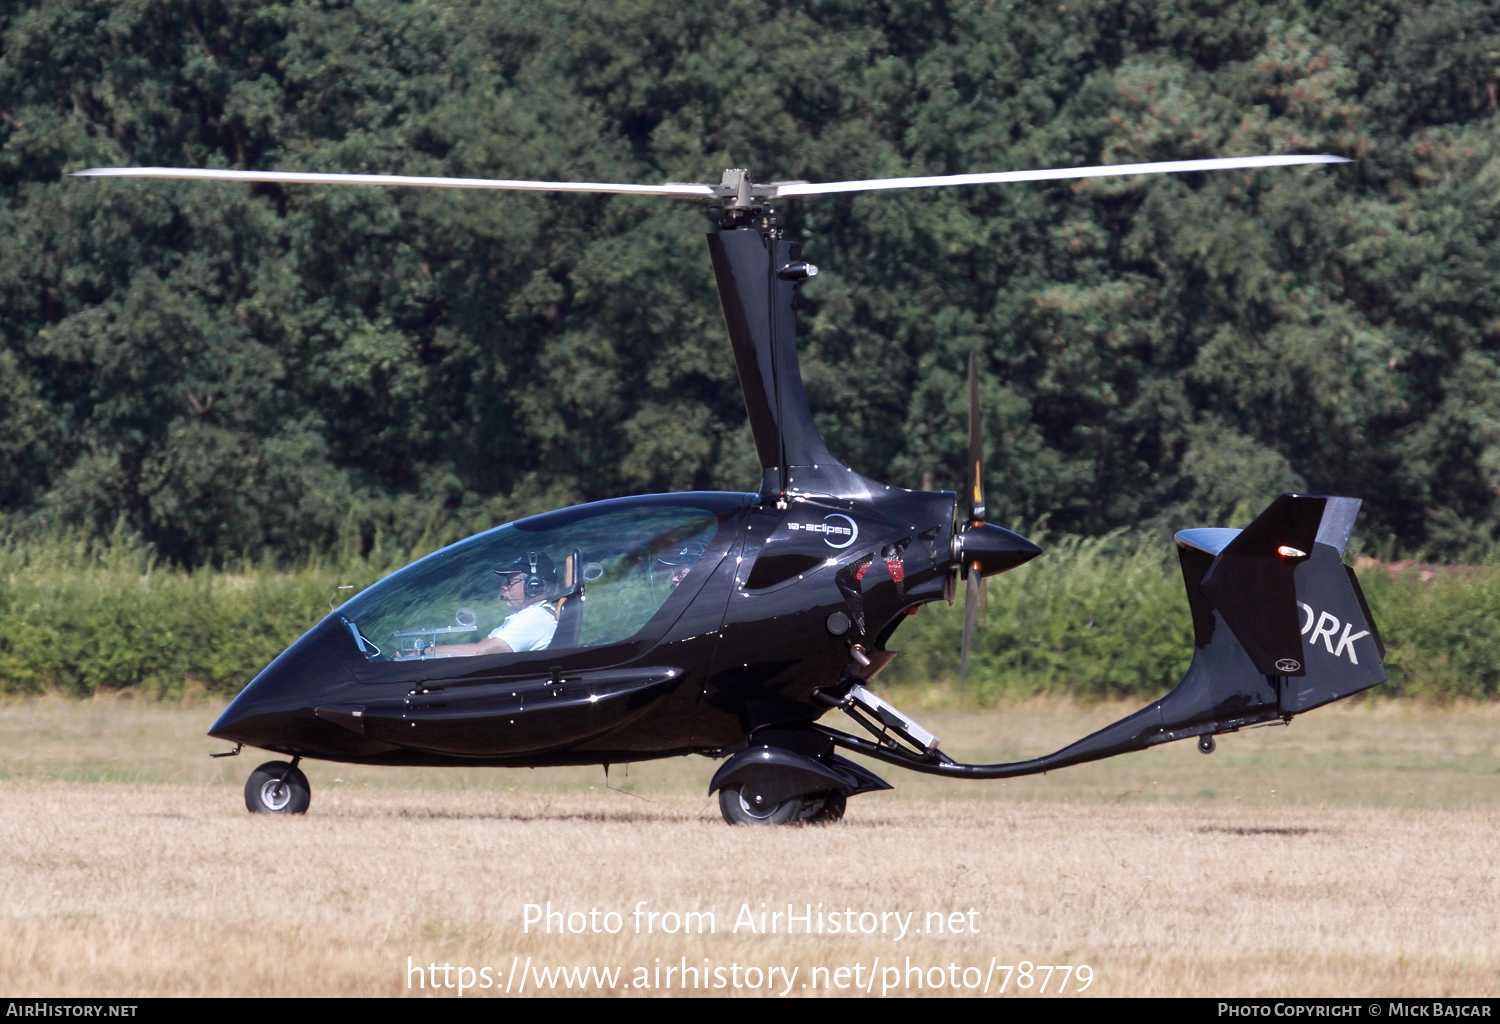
1447,1007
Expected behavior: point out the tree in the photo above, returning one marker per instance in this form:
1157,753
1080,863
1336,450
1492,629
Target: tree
244,370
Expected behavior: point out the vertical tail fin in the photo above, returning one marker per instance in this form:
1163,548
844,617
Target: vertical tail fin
1292,611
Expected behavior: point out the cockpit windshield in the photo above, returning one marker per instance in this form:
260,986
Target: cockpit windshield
564,580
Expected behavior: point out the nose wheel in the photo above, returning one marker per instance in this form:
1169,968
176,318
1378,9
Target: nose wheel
1207,744
277,787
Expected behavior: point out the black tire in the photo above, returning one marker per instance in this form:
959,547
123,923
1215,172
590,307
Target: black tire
1207,744
739,811
277,787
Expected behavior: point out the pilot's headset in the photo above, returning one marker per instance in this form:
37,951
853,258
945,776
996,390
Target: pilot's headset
534,582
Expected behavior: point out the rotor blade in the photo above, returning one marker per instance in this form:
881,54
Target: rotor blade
680,191
1056,174
975,468
695,191
971,608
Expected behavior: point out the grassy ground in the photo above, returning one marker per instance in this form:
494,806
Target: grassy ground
1351,854
1374,754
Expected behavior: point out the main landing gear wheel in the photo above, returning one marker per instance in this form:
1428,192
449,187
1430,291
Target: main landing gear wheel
739,809
277,787
1207,744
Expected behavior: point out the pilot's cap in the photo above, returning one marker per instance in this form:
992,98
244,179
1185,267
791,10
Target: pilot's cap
540,571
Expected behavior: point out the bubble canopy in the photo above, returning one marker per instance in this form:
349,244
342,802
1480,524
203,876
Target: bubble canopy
605,573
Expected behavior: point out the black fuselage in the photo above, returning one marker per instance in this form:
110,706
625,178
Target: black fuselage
782,597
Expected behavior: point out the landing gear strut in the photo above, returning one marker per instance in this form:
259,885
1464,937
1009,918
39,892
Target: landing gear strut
277,787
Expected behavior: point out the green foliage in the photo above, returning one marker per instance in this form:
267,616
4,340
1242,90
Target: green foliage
258,371
1441,627
78,616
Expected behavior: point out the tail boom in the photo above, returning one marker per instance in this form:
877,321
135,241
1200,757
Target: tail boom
1280,626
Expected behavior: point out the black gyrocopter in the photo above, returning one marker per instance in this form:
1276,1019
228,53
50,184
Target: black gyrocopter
728,624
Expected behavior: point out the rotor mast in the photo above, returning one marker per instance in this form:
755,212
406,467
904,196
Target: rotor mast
757,272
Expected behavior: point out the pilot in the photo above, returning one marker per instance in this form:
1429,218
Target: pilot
528,583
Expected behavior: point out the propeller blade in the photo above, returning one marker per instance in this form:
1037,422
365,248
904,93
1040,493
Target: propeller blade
971,608
1054,174
975,468
677,191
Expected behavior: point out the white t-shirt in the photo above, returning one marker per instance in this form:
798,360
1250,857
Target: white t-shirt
529,629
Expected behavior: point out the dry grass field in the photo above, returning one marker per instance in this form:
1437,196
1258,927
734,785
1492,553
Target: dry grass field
1350,854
